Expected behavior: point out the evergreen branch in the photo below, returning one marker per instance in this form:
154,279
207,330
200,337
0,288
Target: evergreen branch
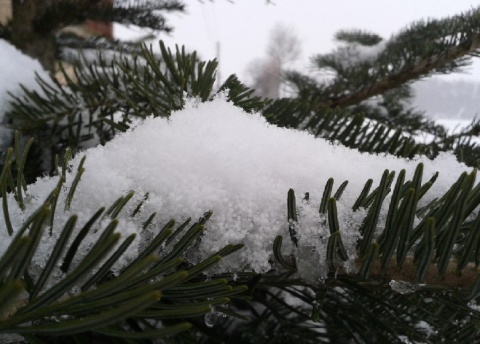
141,13
358,36
136,86
93,322
366,101
421,68
60,13
104,303
382,289
417,260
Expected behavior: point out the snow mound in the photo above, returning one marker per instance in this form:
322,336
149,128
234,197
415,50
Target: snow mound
214,156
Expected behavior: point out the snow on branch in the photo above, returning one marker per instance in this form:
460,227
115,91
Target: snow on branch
214,156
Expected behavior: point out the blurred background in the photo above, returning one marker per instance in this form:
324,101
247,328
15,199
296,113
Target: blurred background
238,34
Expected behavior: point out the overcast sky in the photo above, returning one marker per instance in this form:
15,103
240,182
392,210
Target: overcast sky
242,27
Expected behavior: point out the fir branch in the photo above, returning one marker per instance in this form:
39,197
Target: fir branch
421,68
142,289
146,14
137,86
60,13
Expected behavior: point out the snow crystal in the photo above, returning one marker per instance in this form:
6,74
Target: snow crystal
214,156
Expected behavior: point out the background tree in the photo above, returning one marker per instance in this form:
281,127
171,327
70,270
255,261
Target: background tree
417,278
283,49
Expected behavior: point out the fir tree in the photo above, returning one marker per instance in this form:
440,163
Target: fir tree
417,278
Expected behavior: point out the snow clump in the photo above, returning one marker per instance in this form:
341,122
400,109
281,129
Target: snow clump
214,156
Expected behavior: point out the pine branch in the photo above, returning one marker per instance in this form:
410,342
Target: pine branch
372,76
424,251
351,130
366,105
157,286
422,68
61,13
386,295
137,85
144,14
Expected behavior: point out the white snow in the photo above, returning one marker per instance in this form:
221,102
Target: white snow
215,156
16,68
473,305
425,327
350,55
403,287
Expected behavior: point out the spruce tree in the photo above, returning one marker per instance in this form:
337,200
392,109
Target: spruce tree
416,279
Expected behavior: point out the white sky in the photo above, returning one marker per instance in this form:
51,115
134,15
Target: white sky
242,27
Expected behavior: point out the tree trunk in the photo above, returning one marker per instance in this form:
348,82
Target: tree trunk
31,36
